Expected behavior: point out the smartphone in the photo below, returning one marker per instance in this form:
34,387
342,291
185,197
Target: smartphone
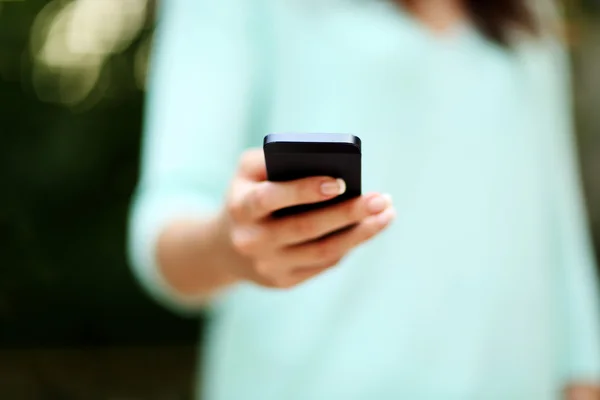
291,156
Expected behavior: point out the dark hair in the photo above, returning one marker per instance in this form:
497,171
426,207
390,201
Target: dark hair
497,19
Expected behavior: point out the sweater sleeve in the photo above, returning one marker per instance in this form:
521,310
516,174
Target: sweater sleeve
196,125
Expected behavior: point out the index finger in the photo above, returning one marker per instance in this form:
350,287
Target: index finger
267,197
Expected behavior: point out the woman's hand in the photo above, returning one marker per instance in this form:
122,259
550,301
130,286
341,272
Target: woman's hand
284,252
582,392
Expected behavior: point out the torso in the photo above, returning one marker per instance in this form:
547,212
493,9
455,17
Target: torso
447,129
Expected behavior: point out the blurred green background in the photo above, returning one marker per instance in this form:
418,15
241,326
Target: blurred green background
71,129
72,320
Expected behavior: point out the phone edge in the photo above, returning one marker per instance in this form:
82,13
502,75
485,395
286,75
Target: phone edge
344,138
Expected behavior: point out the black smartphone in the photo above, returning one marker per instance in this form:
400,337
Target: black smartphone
291,156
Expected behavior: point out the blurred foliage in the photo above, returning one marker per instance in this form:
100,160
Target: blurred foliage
68,171
71,101
584,24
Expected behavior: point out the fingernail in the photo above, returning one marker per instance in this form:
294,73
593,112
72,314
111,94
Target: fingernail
377,204
387,216
333,188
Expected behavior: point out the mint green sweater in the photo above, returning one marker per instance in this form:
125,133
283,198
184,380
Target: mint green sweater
482,289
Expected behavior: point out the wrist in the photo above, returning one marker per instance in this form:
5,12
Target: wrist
195,258
225,262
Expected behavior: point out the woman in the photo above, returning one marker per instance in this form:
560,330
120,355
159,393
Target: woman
482,289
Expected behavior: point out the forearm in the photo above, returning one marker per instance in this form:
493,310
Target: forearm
195,257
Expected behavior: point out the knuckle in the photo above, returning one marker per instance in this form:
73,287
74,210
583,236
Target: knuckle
235,209
259,198
240,246
264,269
244,240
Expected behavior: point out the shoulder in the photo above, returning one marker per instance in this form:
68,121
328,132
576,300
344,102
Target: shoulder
198,15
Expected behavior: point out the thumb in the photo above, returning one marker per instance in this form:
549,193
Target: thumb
252,165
